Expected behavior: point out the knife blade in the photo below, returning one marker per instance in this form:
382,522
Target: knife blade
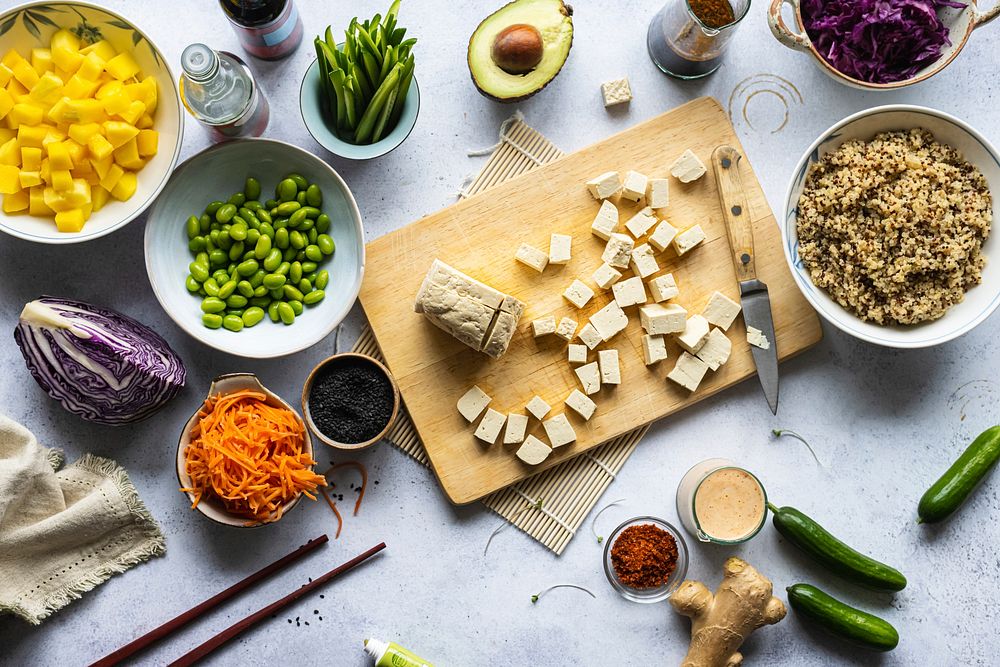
753,293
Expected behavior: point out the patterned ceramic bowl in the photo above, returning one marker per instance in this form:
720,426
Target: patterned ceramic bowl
31,25
979,301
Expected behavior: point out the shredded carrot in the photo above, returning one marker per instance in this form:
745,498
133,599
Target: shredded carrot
336,512
357,465
249,455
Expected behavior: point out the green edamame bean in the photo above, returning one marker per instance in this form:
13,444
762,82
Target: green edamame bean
227,289
285,312
311,236
192,284
233,322
272,311
291,292
252,316
311,212
295,273
213,236
296,239
252,188
287,208
273,259
264,216
260,293
323,223
300,182
263,247
199,271
271,203
305,286
297,218
326,244
257,279
313,253
248,267
197,244
274,281
308,267
211,320
214,207
281,238
252,204
322,279
245,288
283,268
300,256
280,223
296,306
276,294
211,287
290,254
213,304
237,300
301,198
238,232
205,223
193,227
314,297
220,276
286,190
267,230
225,242
225,213
238,312
253,236
238,199
249,254
236,251
307,225
218,257
245,213
314,195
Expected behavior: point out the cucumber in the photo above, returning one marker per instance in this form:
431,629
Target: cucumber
833,554
852,625
955,486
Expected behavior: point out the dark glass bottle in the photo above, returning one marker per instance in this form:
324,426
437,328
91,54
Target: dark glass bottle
267,29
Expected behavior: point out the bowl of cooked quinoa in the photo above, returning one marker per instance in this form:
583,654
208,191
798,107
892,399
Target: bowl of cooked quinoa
887,226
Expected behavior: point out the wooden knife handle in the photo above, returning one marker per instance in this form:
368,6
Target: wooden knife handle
735,210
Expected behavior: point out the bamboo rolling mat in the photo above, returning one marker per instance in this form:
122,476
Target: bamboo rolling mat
568,492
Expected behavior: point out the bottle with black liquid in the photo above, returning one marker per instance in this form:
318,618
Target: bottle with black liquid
267,29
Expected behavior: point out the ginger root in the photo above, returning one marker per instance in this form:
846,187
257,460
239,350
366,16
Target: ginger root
721,622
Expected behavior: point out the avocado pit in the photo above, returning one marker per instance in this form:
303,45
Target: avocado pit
518,48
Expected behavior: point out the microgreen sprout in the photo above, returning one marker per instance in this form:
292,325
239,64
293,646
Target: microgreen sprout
537,505
593,524
778,432
535,598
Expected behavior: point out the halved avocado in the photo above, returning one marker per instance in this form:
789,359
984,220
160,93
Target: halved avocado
519,48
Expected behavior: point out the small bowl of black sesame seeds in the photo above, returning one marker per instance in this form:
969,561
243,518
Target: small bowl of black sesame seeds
350,401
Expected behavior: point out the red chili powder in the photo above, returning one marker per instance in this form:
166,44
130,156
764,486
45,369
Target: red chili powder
644,556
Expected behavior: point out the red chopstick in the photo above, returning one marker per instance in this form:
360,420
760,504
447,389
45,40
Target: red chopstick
196,654
180,621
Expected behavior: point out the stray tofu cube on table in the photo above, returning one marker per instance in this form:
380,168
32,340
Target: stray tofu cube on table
616,92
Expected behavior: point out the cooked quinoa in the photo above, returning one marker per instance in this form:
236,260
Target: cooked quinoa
892,228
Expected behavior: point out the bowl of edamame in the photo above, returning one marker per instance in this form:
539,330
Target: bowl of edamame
256,248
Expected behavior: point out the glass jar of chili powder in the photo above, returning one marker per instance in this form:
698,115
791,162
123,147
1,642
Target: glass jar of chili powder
687,38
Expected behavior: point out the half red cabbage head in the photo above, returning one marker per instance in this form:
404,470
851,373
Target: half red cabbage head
100,364
878,41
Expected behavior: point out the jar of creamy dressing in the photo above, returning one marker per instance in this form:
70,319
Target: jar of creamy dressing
719,502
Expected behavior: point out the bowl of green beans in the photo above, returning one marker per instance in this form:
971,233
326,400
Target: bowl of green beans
255,248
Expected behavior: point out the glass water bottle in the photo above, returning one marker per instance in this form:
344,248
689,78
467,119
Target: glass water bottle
220,91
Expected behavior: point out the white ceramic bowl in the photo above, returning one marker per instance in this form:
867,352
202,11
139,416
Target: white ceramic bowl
979,301
216,173
32,25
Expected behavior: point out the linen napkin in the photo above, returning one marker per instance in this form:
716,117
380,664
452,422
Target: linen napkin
63,532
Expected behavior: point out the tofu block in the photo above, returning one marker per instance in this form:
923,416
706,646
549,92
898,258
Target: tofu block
590,336
687,167
532,256
629,292
658,320
694,335
580,404
688,239
609,321
616,92
517,425
560,246
641,222
716,349
757,338
658,193
654,349
472,403
610,370
566,328
590,377
559,431
577,353
634,186
533,451
498,340
605,185
605,276
662,236
721,310
663,287
489,428
688,371
578,293
618,251
537,407
606,221
644,261
544,326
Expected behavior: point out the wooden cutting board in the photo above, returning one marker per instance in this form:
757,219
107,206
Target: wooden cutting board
480,235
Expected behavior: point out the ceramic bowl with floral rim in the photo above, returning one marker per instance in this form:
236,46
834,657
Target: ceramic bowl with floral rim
979,302
31,25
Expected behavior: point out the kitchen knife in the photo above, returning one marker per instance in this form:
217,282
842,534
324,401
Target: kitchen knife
753,293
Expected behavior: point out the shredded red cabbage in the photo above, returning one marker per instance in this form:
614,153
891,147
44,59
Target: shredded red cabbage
879,41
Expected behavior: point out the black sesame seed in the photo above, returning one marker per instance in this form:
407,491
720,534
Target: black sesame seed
351,400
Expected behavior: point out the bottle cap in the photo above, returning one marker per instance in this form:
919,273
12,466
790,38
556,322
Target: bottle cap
199,62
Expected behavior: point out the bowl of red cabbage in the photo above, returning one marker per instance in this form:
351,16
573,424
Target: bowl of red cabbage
879,45
98,363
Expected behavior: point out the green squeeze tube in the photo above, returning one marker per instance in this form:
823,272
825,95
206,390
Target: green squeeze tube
391,654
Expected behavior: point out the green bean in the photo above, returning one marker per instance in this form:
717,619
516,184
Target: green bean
280,223
253,236
287,208
308,267
301,198
296,272
248,268
211,287
252,188
305,286
264,216
238,199
211,320
267,230
322,279
260,292
199,271
237,300
314,297
296,306
218,257
245,288
298,217
236,251
205,223
313,253
314,196
300,182
193,227
296,239
312,212
291,292
286,313
226,290
273,259
283,268
281,238
213,304
257,279
233,322
192,284
272,311
238,232
225,213
252,203
311,236
213,207
307,225
367,123
323,223
263,247
252,316
274,281
286,190
326,244
197,244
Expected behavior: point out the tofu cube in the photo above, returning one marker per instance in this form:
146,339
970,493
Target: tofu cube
658,193
634,186
654,349
606,221
605,185
644,261
688,239
566,328
533,451
531,256
641,222
537,407
580,404
610,370
577,353
559,248
658,320
605,276
662,236
694,335
489,428
609,321
629,292
716,349
559,431
618,251
663,287
757,338
544,326
688,371
517,425
472,403
590,377
590,336
616,92
721,310
578,294
687,167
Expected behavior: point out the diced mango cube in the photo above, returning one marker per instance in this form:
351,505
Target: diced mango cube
5,75
11,58
125,187
15,202
81,169
81,111
41,60
31,158
116,103
133,113
77,152
52,135
70,221
47,90
118,132
36,202
82,132
65,39
109,88
66,59
148,142
44,171
15,88
102,48
10,155
25,113
111,178
101,166
6,134
6,102
100,147
9,179
25,73
93,178
145,122
29,178
59,158
123,66
91,67
100,197
127,155
61,179
78,87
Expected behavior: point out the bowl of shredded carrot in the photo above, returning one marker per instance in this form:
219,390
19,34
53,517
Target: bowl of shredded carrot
245,457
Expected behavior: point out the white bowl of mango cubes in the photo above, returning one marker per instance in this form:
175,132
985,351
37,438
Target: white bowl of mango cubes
114,154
